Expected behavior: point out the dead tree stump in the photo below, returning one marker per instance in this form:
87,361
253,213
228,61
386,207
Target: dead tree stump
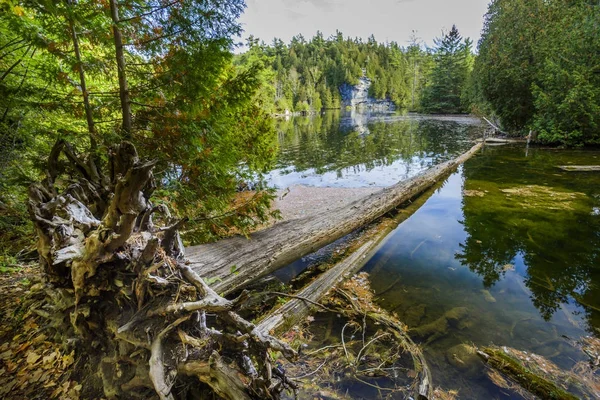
121,293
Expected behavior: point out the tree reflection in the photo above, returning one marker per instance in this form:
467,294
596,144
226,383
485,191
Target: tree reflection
336,142
549,225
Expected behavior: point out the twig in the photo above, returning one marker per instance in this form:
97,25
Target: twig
344,342
300,298
375,386
311,373
367,345
322,348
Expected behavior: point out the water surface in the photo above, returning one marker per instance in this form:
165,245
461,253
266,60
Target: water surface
361,150
510,239
515,241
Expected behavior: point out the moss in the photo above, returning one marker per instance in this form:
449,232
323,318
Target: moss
528,380
438,328
464,358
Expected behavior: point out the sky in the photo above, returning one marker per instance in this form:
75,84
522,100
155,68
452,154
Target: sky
388,20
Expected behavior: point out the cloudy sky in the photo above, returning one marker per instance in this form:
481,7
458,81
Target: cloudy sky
388,20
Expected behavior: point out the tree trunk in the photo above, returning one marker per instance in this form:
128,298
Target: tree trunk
238,261
123,86
92,162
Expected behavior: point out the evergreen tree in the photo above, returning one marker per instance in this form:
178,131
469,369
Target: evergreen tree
309,74
159,74
449,75
538,68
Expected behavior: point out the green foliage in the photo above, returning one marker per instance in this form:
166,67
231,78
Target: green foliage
201,115
447,92
538,70
308,75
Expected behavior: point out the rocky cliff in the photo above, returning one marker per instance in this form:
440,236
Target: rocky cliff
357,96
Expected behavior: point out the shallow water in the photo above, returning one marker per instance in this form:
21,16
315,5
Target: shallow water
513,239
509,238
361,150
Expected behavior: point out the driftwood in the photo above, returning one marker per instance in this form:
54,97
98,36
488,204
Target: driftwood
299,307
492,140
494,126
580,168
503,361
294,311
238,261
135,311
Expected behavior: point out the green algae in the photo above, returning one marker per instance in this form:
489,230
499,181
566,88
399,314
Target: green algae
530,381
452,319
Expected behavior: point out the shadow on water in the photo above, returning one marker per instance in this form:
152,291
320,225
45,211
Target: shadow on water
360,150
506,252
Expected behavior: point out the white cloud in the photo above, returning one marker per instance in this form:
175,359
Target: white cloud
388,20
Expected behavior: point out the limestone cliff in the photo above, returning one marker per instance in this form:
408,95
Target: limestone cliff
357,96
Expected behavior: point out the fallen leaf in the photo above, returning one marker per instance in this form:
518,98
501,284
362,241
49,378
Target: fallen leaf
32,357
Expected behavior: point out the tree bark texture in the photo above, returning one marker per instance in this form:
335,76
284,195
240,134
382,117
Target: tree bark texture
123,86
238,261
131,307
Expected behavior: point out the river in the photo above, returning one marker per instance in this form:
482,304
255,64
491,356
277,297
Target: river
509,237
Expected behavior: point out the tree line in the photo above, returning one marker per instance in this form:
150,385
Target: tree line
535,70
538,68
307,75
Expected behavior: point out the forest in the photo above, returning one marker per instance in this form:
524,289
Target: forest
132,129
309,75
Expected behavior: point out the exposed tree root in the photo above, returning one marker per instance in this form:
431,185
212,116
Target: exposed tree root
130,302
370,351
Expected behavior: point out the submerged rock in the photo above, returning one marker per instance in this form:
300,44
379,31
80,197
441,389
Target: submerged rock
535,196
413,316
464,358
455,318
473,193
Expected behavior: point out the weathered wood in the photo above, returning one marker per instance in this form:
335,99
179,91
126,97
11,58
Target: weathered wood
112,283
501,361
493,126
238,261
493,140
297,309
294,311
227,382
580,168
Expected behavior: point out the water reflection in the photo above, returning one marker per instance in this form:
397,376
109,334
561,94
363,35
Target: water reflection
512,242
359,149
525,213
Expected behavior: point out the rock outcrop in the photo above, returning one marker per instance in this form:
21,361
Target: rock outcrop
357,96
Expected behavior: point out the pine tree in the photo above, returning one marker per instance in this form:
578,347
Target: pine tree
449,75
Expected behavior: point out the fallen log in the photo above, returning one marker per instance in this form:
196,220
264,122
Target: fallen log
294,311
493,140
290,313
504,361
580,168
494,126
233,263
